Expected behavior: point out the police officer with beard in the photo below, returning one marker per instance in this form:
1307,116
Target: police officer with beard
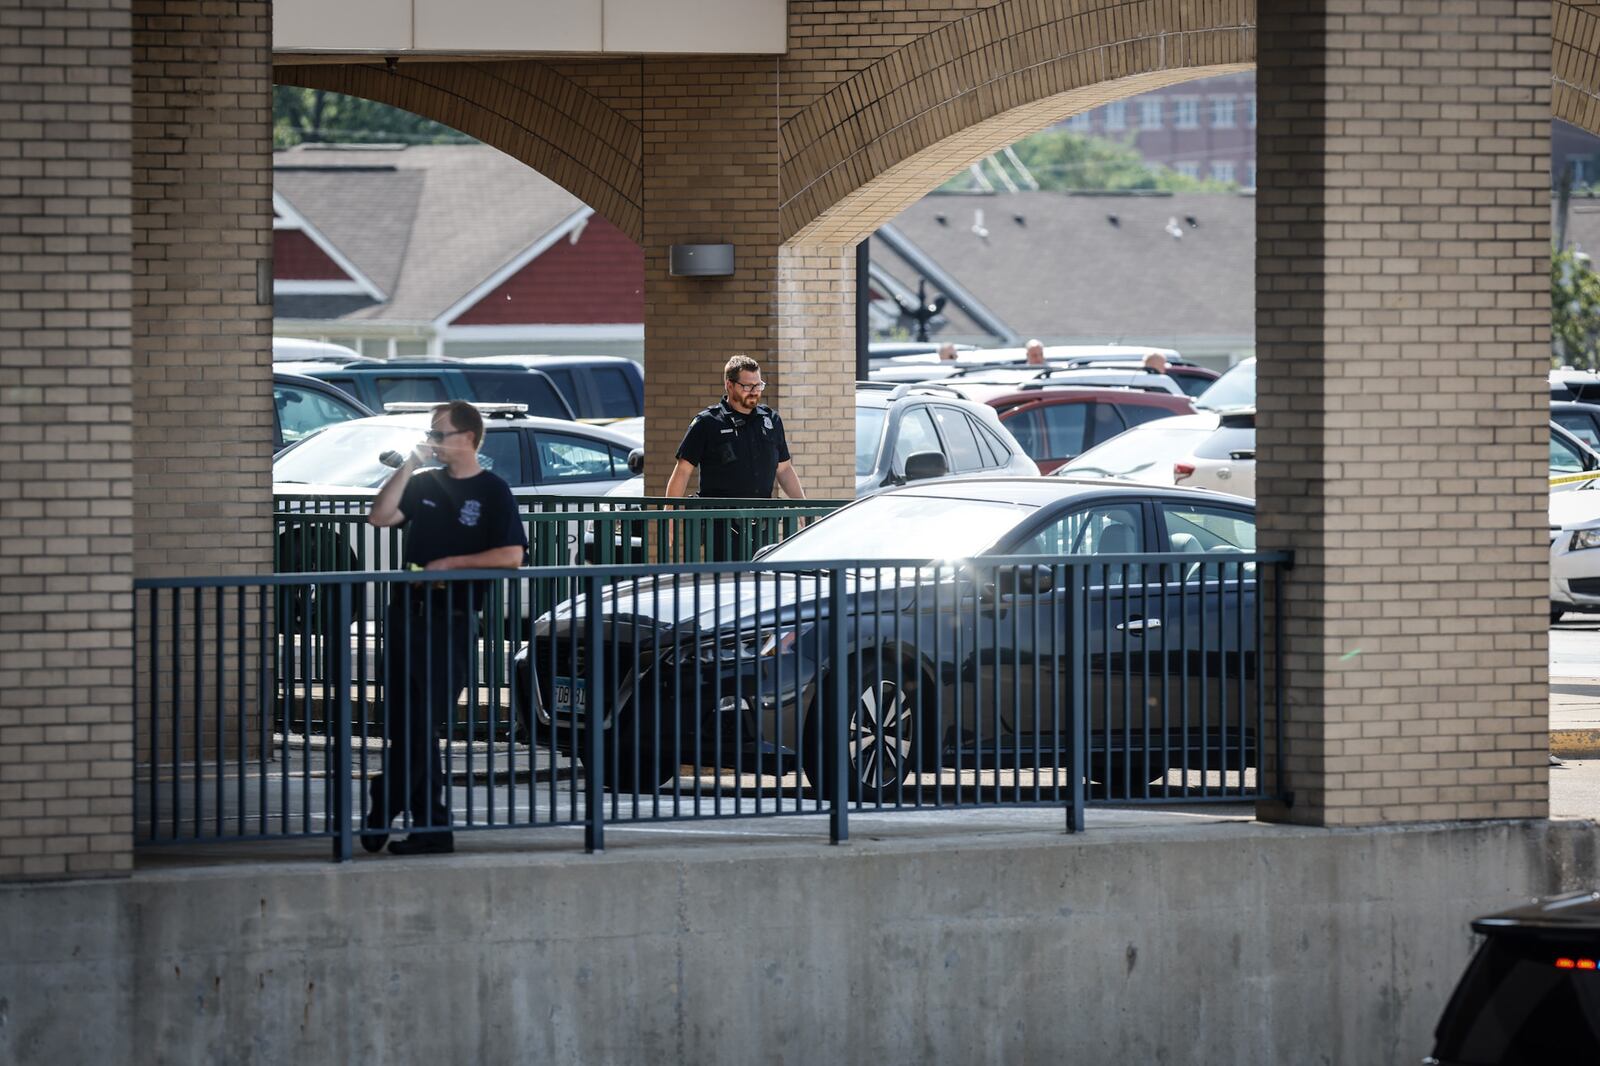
739,448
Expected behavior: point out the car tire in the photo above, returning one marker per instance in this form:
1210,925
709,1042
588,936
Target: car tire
884,733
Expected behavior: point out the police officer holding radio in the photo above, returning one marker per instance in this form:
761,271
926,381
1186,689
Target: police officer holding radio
457,517
739,448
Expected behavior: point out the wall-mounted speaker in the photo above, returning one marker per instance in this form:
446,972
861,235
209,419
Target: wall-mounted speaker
701,260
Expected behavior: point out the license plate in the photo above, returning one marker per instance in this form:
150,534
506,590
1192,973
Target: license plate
569,691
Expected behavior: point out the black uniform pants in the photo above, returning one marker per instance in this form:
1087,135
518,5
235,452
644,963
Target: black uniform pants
428,652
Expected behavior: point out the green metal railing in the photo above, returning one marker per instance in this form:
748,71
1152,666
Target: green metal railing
323,533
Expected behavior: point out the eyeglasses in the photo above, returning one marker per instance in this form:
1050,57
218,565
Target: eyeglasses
757,387
437,436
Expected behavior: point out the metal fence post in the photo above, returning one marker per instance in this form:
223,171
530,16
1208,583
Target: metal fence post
340,679
833,743
594,682
1078,701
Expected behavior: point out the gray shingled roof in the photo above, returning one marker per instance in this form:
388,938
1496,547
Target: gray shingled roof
1066,274
427,223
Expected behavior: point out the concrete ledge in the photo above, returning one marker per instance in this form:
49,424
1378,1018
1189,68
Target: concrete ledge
1237,943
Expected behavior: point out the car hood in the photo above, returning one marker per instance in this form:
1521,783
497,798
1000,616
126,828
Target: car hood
723,599
1571,510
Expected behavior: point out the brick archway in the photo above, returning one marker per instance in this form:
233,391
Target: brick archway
1575,61
528,110
866,149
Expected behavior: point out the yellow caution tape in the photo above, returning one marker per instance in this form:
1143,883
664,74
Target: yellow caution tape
1568,479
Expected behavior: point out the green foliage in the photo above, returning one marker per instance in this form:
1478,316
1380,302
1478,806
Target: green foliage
1062,161
312,115
1574,310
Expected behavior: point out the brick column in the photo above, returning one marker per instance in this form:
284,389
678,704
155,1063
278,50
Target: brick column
817,347
202,158
1403,329
710,175
66,538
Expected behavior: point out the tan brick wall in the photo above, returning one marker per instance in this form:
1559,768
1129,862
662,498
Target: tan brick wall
1403,329
202,224
932,103
66,530
1575,63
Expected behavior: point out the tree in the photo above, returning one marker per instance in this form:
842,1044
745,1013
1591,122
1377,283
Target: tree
1063,161
313,115
1574,310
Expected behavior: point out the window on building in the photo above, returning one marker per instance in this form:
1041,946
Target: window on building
1250,175
1117,115
1079,123
1150,114
1222,112
1186,112
1250,111
1222,172
1187,169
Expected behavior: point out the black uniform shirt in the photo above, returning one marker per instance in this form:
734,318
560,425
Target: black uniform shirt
458,516
738,455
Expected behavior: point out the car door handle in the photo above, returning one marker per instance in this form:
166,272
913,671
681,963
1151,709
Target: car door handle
1139,626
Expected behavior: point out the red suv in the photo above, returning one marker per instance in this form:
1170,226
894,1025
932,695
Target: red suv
1055,424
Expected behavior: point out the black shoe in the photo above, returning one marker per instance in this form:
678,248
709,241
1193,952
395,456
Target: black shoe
424,844
374,841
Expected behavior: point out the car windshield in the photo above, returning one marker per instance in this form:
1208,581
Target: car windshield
1141,448
901,526
347,454
1234,390
869,427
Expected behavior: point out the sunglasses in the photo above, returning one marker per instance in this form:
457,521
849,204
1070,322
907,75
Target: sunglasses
437,436
757,387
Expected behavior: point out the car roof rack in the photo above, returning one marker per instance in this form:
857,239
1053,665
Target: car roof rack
930,388
1126,386
884,386
487,410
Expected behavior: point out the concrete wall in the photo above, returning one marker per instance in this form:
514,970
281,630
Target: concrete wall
1234,943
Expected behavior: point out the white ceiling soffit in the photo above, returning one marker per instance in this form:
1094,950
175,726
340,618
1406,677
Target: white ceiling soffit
508,27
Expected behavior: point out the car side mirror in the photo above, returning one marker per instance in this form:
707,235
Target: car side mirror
923,465
636,461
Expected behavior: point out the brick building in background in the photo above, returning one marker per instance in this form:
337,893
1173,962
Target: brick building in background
1205,128
446,250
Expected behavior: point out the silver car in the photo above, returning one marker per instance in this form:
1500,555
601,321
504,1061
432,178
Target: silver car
922,432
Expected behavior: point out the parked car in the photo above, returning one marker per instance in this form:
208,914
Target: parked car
599,388
302,405
1055,425
434,381
534,455
983,383
921,432
1225,461
1193,380
295,350
1580,385
1573,464
1146,453
682,649
1235,390
1575,551
1529,995
1582,420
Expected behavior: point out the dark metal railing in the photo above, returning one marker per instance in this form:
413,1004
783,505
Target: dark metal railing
317,533
697,691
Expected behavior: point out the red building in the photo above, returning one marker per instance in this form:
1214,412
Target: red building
1205,129
446,250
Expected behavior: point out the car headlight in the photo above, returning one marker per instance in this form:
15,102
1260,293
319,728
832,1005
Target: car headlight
781,640
1584,538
